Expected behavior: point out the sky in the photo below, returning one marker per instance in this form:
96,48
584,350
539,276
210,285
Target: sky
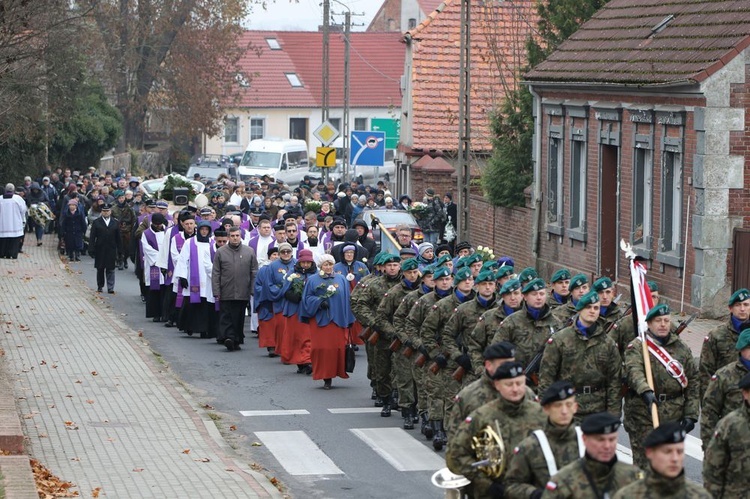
307,15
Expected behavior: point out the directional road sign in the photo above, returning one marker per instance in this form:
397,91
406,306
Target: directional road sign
325,157
367,148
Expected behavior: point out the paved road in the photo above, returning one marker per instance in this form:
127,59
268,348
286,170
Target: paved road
319,443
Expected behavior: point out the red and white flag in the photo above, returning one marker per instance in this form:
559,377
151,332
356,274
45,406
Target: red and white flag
640,295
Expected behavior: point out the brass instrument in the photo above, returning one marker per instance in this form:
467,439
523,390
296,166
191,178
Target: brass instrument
451,483
489,448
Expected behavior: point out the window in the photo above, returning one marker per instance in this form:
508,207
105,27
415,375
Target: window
293,79
555,181
336,122
298,128
577,187
412,23
273,44
671,201
360,124
642,171
231,130
257,128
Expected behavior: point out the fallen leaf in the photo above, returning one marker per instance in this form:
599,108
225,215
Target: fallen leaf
137,470
52,406
48,485
257,444
232,428
94,373
42,435
95,492
140,333
54,366
69,396
23,327
79,381
89,401
75,458
207,406
186,451
202,460
43,363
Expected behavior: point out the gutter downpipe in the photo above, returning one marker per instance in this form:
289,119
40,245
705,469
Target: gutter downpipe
537,191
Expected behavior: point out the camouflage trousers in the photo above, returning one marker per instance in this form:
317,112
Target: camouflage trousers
418,375
403,380
370,351
441,388
382,375
638,423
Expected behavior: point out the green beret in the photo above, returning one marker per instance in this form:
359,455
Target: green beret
429,270
588,299
500,350
560,275
474,258
508,370
118,193
443,259
490,265
527,275
743,340
533,285
657,311
670,432
738,296
463,262
557,391
577,281
441,272
744,383
503,271
510,286
602,283
653,286
461,275
601,423
378,260
390,258
485,276
410,264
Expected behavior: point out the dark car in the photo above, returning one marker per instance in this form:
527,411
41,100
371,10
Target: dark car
391,219
210,166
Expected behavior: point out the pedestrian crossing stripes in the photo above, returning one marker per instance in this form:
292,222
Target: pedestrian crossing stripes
297,453
400,449
354,410
694,447
286,412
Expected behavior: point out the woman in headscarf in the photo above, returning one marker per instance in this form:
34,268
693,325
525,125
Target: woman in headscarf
296,347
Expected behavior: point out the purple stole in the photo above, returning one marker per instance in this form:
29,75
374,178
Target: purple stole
195,276
213,254
180,242
154,271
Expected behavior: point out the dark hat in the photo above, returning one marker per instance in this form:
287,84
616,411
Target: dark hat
158,219
278,227
560,275
256,211
508,370
500,350
443,259
485,276
577,281
442,247
743,340
503,271
349,247
106,206
205,211
449,195
462,246
588,299
430,191
441,272
338,221
669,432
220,233
601,423
226,221
162,204
271,251
462,274
264,216
657,311
205,223
410,264
510,286
407,251
527,275
602,283
389,258
559,390
653,286
506,261
744,383
533,285
738,296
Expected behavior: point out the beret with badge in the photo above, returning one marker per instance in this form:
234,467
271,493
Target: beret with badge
601,423
743,340
657,311
588,299
443,259
738,296
389,258
527,275
560,275
557,391
536,284
441,272
669,432
510,286
428,270
500,350
653,286
508,370
410,264
462,274
485,276
577,281
602,283
503,271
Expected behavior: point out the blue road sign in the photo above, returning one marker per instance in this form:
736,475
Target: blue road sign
367,148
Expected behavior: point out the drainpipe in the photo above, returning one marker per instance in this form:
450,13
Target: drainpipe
537,191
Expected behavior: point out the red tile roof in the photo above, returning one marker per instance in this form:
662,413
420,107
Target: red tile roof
376,65
621,43
435,68
429,6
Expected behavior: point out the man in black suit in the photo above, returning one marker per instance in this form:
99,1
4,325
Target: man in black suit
104,245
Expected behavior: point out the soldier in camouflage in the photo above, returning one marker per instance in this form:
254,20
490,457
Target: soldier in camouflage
542,453
440,385
723,395
527,275
582,354
559,294
579,286
675,391
725,465
461,324
598,474
385,325
503,275
665,450
512,415
610,310
718,346
489,322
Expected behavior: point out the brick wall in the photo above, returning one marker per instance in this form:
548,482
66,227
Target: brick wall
506,230
433,173
388,18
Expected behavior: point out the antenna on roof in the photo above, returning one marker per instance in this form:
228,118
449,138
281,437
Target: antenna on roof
662,24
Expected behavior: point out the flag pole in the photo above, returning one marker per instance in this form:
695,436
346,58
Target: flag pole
650,381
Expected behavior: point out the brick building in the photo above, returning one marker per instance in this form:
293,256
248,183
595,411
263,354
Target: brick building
641,135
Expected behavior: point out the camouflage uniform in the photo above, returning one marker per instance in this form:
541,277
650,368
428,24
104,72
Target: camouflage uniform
615,314
354,300
587,362
552,301
674,402
414,321
459,328
527,334
126,216
528,469
515,420
623,332
722,397
718,350
725,465
564,313
659,487
403,375
480,337
572,481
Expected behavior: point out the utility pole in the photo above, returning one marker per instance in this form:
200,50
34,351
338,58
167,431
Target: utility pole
345,120
325,78
464,124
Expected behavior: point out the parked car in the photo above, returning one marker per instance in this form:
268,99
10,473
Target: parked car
210,166
391,219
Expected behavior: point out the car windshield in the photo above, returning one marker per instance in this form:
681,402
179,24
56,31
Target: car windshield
392,217
211,160
261,159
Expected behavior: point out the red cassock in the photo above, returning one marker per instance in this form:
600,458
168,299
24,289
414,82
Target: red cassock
267,332
328,345
295,346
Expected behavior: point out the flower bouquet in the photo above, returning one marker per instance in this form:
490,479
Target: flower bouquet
486,253
297,283
328,290
418,210
312,205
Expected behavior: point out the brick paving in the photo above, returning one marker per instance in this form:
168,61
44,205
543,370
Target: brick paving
95,408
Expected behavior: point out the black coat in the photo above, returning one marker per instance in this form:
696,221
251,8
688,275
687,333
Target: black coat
73,228
105,243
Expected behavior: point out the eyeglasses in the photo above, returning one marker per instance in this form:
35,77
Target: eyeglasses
291,231
285,251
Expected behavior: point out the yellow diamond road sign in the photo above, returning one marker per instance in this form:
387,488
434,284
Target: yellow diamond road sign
326,133
325,157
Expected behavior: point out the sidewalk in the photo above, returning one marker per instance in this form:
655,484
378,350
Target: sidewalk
95,406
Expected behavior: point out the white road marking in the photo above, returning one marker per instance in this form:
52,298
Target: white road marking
297,453
400,449
287,412
694,447
354,410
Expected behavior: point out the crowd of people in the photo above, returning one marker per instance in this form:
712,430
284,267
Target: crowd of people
480,355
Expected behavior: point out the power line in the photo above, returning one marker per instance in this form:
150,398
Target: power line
362,58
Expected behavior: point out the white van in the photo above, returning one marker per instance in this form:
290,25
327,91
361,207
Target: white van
273,157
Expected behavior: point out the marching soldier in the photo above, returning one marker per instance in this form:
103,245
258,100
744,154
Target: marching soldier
725,463
441,386
579,286
723,395
665,451
503,275
462,322
559,294
582,354
675,378
598,474
489,322
610,310
511,415
124,214
527,275
541,454
529,328
718,346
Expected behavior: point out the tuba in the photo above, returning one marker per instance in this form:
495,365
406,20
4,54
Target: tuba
450,482
489,448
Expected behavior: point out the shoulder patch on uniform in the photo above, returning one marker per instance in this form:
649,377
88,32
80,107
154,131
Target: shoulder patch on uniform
705,339
455,310
714,377
456,398
640,475
516,450
468,419
385,295
631,346
549,340
551,485
434,306
481,319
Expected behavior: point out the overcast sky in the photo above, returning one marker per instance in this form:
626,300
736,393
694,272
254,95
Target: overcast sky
307,15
